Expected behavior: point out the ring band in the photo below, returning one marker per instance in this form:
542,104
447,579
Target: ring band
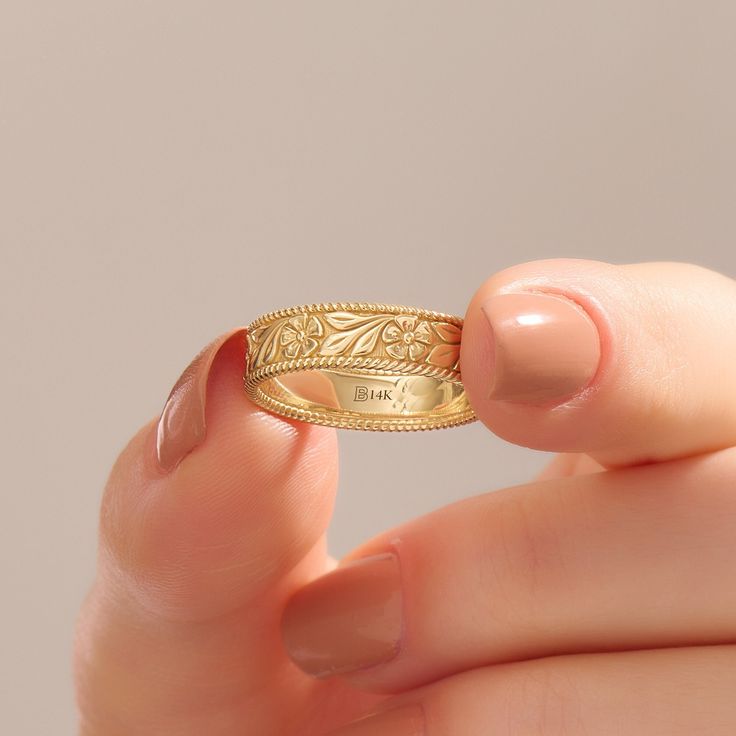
358,366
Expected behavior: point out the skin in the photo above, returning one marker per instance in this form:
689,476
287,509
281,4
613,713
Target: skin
600,598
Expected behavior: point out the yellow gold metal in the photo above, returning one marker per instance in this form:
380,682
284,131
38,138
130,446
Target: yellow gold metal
377,367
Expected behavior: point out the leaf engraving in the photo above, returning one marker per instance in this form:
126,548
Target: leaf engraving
367,341
444,355
269,342
346,320
256,335
449,333
337,343
357,334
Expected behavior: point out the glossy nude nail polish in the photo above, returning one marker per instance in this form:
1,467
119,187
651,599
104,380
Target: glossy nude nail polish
545,347
181,426
347,620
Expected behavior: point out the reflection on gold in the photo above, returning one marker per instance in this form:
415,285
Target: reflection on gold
311,386
388,396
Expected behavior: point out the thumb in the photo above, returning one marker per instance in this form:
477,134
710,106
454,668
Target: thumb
211,516
627,363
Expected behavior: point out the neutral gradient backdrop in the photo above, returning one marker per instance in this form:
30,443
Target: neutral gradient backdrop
171,169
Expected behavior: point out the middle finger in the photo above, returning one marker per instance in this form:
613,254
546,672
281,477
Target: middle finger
634,558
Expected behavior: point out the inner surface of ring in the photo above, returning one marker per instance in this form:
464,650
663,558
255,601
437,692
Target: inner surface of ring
360,394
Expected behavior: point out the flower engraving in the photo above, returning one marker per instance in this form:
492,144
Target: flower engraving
405,337
298,335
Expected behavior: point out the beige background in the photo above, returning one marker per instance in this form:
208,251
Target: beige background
171,169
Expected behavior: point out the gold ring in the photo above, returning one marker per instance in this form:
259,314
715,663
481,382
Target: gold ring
358,366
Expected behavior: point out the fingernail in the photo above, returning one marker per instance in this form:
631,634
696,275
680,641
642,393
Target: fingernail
405,721
347,620
181,426
545,347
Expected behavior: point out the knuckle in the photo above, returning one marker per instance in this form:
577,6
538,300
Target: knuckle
545,701
525,560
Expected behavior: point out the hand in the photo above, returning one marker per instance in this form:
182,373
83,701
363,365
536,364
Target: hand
599,599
